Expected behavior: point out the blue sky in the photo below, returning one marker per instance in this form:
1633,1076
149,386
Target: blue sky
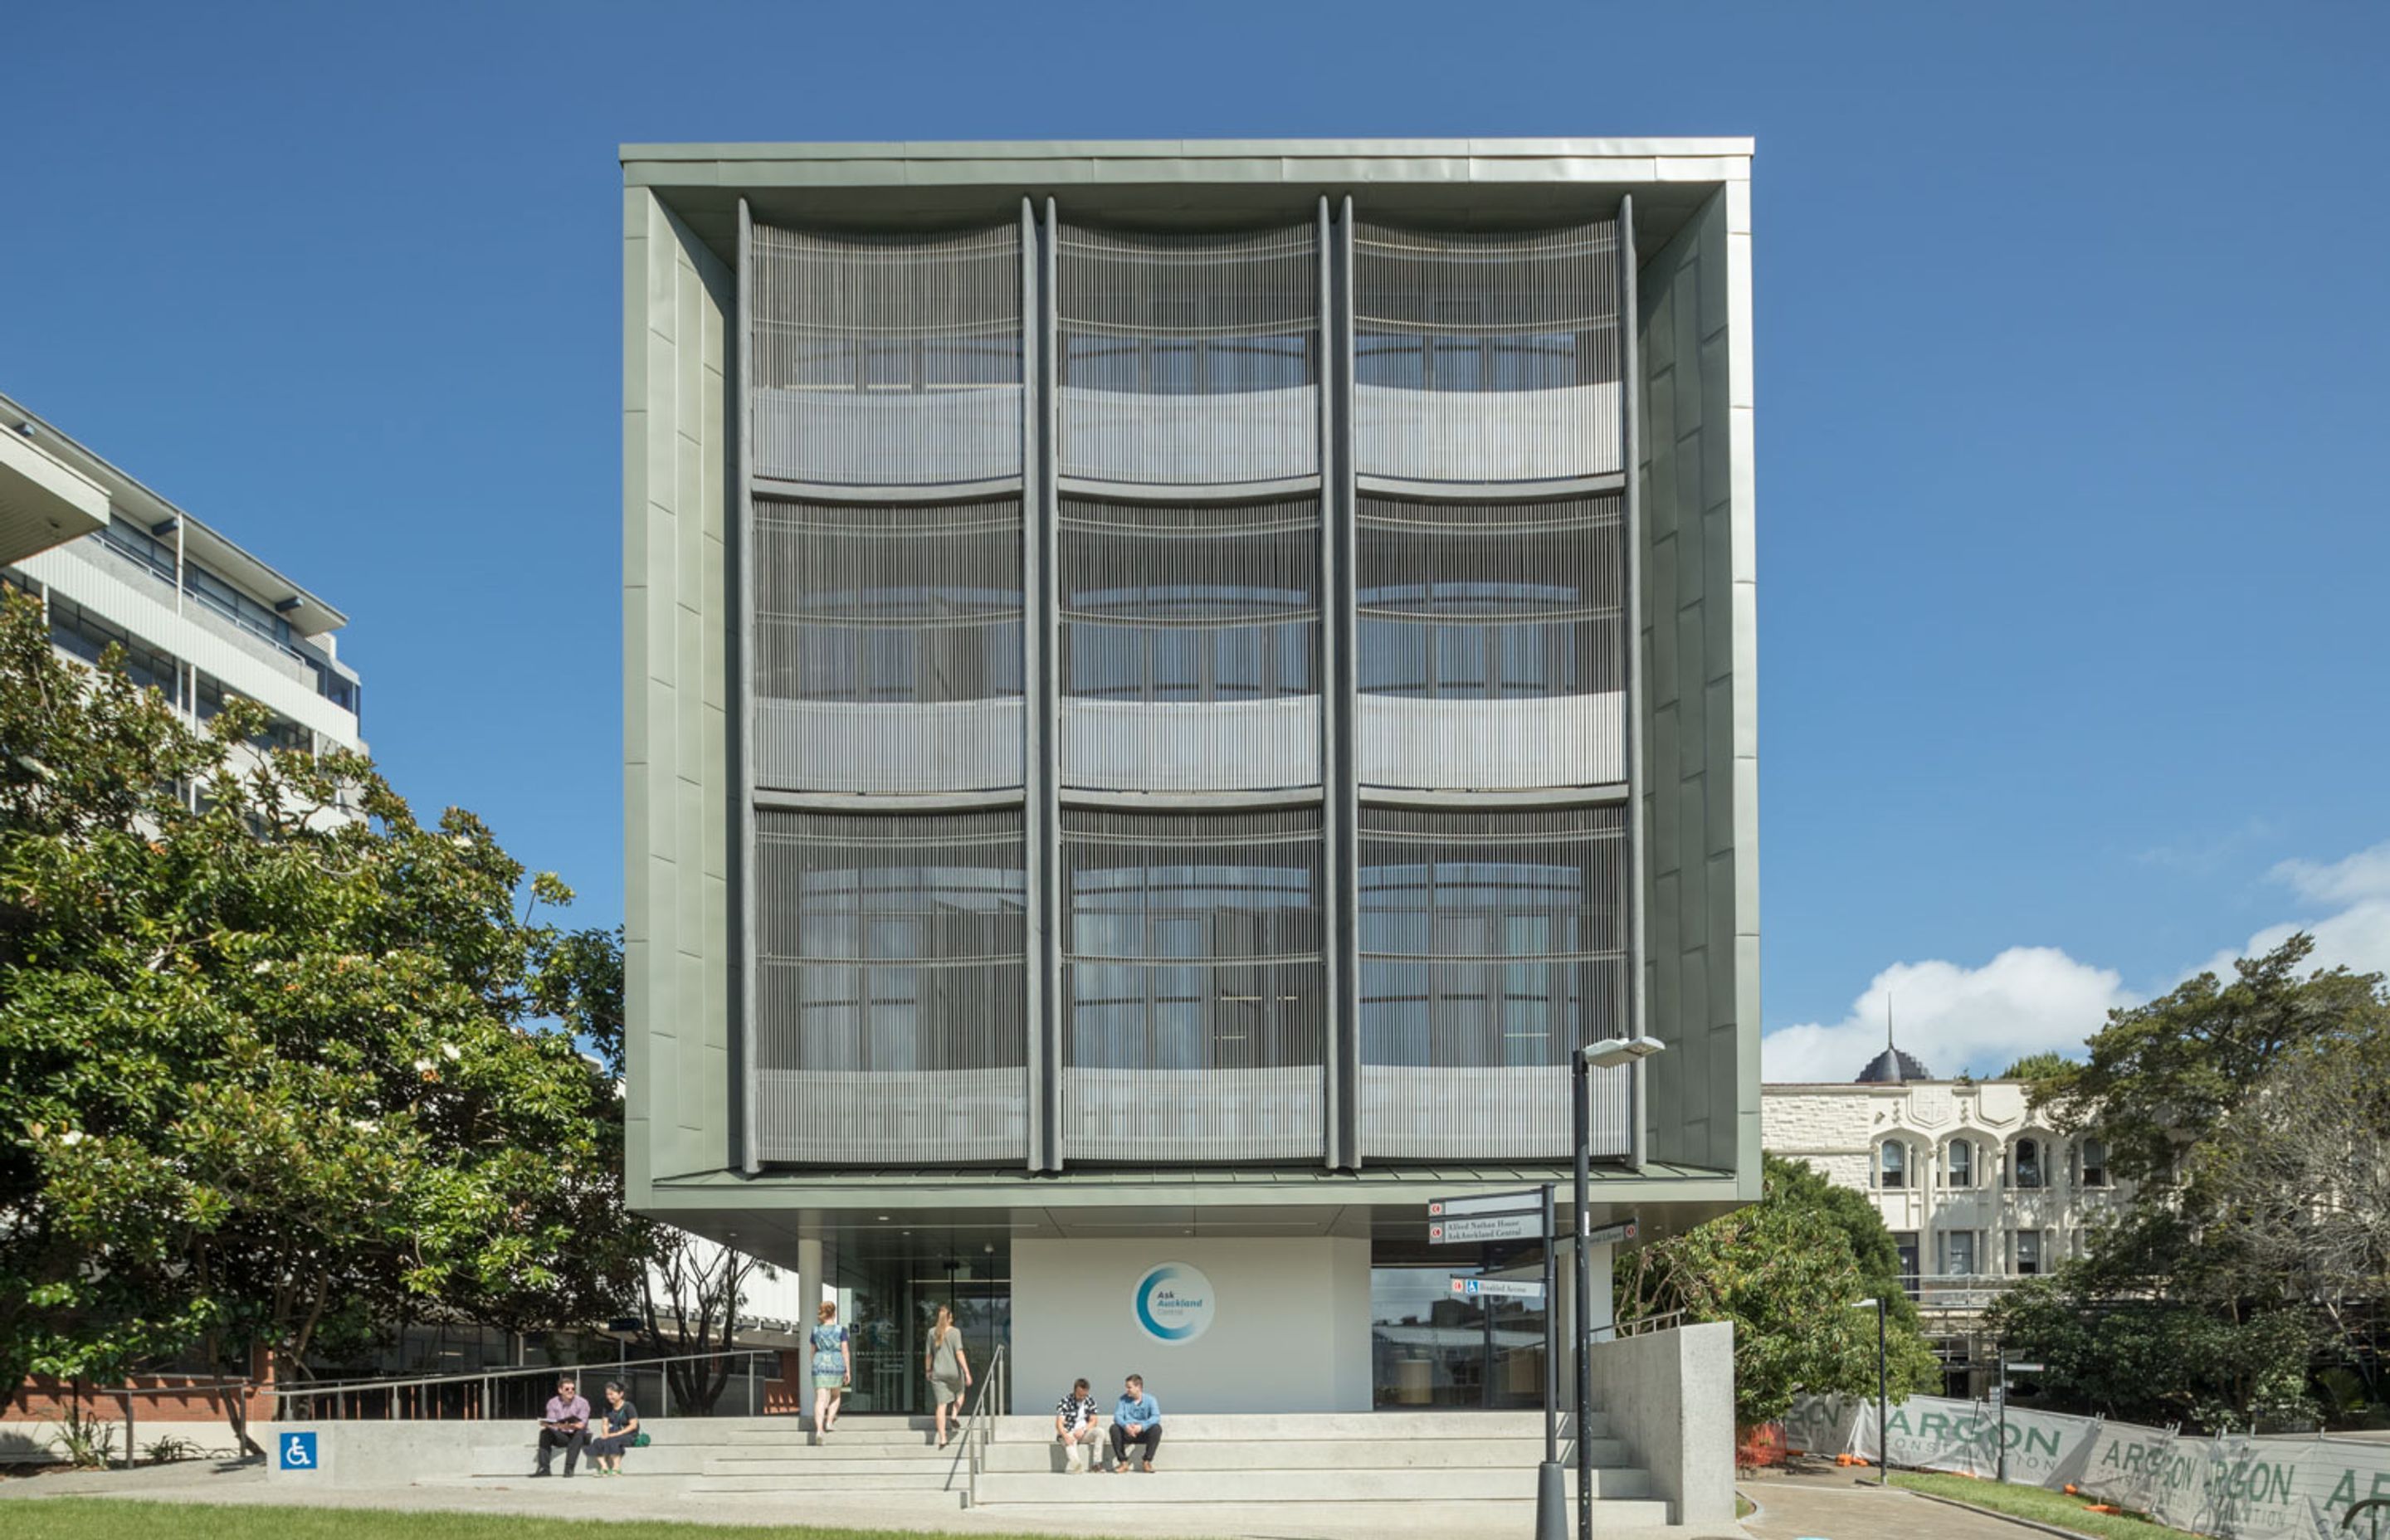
2071,322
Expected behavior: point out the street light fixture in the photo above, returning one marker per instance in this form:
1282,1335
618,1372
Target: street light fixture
1608,1054
1882,1395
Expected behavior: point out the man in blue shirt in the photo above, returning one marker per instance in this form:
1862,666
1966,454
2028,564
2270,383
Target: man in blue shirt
1136,1420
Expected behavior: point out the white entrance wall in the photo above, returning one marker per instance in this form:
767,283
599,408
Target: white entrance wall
1289,1329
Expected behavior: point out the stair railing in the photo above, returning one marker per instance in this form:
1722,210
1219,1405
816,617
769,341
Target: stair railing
978,1424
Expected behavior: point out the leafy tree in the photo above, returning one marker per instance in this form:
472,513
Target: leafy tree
1783,1272
1873,1248
2161,1076
2037,1066
2155,1360
275,1056
688,1305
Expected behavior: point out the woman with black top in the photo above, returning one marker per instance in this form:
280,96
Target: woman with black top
620,1422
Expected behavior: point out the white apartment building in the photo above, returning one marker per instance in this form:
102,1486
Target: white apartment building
200,618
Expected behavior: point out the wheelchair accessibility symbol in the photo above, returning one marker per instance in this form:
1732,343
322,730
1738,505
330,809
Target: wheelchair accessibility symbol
297,1451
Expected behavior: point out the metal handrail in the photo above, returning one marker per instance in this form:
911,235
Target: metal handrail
320,1387
342,1391
978,1422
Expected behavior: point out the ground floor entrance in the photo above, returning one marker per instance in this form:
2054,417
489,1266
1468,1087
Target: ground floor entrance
1319,1323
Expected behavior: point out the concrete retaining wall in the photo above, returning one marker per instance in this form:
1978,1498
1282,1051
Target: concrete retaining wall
1670,1398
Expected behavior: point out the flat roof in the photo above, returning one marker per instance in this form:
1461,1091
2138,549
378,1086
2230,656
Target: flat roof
213,549
1187,183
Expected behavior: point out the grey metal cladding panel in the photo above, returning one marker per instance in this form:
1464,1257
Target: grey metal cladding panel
676,469
1194,1020
888,361
889,646
1190,656
1486,357
891,987
1492,945
1700,824
1189,359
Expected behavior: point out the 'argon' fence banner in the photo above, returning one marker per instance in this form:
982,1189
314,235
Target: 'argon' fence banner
2234,1488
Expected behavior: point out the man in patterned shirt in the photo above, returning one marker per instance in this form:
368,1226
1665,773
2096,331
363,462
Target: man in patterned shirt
1074,1423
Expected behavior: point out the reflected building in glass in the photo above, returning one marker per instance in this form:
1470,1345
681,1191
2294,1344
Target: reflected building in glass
1170,686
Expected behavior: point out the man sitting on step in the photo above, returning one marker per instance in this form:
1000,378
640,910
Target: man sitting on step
1136,1419
1075,1422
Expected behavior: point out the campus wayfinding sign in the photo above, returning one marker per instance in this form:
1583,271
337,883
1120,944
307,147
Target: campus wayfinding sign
1497,1288
1529,1201
1611,1234
1494,1226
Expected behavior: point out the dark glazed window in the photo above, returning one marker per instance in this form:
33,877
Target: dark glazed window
1485,602
1480,313
1490,939
890,943
1191,942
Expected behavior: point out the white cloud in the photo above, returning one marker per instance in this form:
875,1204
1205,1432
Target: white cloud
2029,999
2363,876
2026,999
2356,936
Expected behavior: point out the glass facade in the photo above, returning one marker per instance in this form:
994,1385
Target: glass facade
1150,633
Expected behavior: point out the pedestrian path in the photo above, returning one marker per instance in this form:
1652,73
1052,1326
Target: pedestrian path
1838,1508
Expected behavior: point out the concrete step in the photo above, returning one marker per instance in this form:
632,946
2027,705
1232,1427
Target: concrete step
1311,1453
1364,1426
835,1469
763,1499
848,1432
933,1481
753,1458
1502,1519
1168,1485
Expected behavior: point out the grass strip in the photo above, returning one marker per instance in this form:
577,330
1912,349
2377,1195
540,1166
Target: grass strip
2038,1504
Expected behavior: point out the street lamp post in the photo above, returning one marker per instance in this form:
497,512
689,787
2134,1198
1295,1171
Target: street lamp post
1882,1395
1608,1054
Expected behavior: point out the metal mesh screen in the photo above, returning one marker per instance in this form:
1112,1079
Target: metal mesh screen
1194,1024
888,646
1190,645
1485,358
887,360
1188,358
891,1000
1490,646
1493,944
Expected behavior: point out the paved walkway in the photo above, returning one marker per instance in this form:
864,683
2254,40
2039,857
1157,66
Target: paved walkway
1838,1508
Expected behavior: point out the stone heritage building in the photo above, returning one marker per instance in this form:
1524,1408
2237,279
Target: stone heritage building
1976,1191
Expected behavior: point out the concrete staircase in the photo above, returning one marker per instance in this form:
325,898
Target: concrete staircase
1483,1464
1479,1466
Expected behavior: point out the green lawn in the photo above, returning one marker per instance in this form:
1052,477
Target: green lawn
115,1518
2039,1505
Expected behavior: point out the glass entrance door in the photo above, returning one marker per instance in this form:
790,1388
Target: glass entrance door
889,1305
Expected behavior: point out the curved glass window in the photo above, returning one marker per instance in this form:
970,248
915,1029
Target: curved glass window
2027,1170
890,1003
887,360
1486,357
1194,1026
1490,646
1491,945
1190,645
1958,1164
1188,358
888,646
1893,1167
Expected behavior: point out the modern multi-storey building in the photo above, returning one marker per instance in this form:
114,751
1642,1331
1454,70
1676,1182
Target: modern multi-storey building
1169,688
199,618
1977,1189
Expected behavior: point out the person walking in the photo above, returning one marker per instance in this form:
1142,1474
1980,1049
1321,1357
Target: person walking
1136,1418
948,1369
834,1368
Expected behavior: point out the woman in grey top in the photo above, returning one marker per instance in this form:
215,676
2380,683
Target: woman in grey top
948,1369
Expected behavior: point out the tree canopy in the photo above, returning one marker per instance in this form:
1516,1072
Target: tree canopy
278,1060
1785,1273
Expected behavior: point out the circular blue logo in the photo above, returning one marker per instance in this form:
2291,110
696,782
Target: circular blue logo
1173,1302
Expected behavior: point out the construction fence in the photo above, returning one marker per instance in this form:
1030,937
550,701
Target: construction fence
2234,1487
